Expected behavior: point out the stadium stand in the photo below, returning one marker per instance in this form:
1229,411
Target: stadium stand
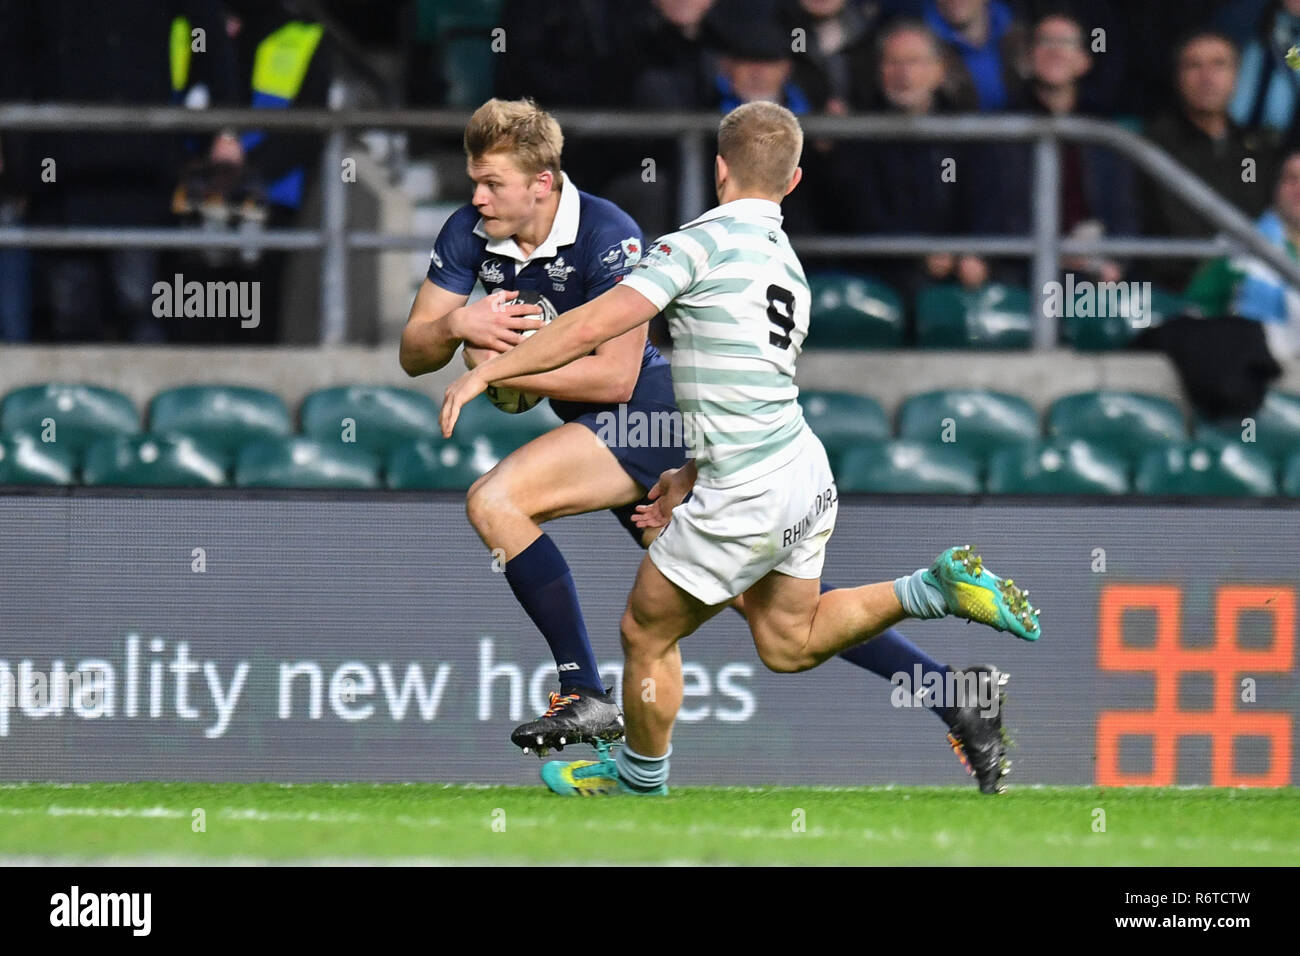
978,421
73,415
224,416
854,312
993,317
298,462
168,461
1199,469
909,467
1127,422
1057,468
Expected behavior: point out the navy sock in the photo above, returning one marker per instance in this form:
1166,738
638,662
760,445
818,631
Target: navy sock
540,578
889,653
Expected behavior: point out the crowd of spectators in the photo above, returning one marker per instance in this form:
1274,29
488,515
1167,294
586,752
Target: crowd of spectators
1206,80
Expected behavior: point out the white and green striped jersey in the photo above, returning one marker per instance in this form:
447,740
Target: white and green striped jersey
736,301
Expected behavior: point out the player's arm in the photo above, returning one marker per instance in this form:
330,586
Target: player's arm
572,335
608,376
440,320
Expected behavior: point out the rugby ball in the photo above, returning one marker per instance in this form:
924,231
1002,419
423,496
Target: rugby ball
510,400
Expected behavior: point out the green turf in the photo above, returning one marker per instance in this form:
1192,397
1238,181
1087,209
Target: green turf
424,822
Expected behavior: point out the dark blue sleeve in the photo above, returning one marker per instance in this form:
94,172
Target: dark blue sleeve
614,248
453,264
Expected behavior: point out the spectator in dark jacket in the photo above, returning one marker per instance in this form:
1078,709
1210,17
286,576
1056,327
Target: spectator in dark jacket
835,51
86,51
913,187
1097,192
1202,136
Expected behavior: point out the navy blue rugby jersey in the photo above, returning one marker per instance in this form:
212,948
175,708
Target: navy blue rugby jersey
592,245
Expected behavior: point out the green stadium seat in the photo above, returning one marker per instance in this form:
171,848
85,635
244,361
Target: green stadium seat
384,416
853,312
424,464
993,317
1129,423
903,467
160,461
1199,468
1276,427
80,414
482,425
1057,468
843,420
981,421
221,416
297,462
26,460
1117,327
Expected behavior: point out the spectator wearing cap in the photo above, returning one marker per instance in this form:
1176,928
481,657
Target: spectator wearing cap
836,59
985,49
1202,136
755,63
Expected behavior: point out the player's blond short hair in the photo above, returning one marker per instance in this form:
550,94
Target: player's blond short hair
762,143
519,128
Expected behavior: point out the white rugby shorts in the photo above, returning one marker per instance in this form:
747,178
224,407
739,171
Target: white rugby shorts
722,540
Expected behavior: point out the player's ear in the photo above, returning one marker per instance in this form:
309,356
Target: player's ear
795,180
719,170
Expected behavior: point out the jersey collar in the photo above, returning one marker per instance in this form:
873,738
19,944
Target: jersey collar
748,209
564,230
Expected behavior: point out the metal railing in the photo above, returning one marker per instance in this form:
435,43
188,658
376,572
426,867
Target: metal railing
693,133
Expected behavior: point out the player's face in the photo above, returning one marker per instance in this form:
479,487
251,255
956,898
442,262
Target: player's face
910,72
1207,71
504,196
1288,192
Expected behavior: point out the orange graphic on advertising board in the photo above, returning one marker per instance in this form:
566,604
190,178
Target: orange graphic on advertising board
1226,661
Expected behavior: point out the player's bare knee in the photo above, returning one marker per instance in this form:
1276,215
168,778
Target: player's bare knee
487,498
784,655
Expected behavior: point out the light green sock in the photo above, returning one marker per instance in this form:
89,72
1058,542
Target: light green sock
920,596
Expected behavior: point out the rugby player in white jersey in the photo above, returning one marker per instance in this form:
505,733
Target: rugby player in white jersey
762,500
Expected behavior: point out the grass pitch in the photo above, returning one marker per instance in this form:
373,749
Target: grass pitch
431,823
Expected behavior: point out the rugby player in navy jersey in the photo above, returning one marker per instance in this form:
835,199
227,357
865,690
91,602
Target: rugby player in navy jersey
528,228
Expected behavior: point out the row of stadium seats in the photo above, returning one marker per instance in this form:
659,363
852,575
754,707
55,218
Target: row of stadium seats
957,441
856,312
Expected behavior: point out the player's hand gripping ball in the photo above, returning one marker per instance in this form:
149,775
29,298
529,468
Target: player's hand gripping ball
508,399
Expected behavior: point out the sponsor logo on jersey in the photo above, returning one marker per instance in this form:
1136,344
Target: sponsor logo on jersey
611,256
490,271
631,249
437,259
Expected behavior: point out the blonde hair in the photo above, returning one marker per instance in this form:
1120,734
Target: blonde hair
761,143
519,128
